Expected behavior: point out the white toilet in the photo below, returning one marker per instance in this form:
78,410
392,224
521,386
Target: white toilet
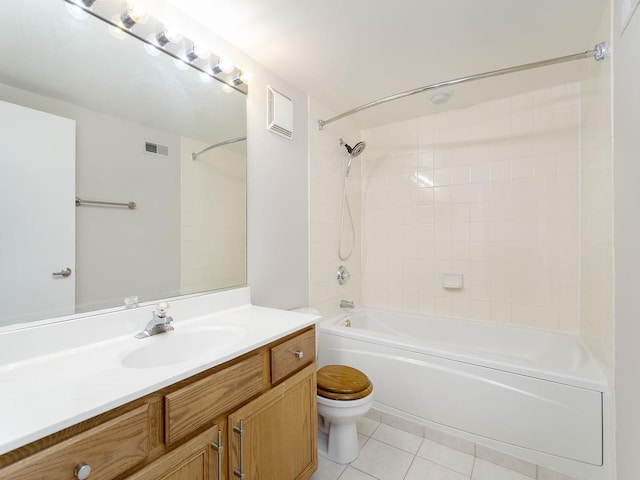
344,395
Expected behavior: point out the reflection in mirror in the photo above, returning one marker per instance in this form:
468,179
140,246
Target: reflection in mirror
83,114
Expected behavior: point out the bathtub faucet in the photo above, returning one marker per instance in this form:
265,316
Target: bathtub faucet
346,304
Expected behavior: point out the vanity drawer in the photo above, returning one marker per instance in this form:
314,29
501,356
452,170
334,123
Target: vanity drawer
197,404
292,355
108,449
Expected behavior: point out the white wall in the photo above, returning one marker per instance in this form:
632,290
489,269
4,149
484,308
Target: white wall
626,173
277,179
277,200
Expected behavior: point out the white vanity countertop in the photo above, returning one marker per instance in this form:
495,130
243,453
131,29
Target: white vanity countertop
42,394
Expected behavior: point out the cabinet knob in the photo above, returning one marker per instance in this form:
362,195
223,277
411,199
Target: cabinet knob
82,471
299,354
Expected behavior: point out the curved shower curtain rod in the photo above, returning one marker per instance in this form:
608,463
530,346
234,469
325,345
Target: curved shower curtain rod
599,53
226,142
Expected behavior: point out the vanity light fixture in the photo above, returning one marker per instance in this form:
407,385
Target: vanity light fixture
197,51
132,15
223,65
237,79
156,37
159,40
168,35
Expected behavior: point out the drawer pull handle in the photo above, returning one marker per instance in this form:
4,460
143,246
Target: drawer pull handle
220,449
82,471
299,354
239,472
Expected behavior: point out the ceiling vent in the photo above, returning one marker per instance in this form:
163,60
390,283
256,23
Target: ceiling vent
280,113
155,149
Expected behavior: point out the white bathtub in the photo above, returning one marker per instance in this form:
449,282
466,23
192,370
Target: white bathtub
536,390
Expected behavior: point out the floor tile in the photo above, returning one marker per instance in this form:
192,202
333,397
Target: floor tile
422,469
446,456
351,473
383,461
327,470
400,439
483,470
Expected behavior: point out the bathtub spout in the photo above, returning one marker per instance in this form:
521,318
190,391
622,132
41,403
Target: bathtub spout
346,304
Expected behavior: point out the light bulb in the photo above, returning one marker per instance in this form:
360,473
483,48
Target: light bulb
245,77
135,14
168,35
225,65
197,51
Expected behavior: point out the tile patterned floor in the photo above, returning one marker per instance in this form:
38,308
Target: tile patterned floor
388,453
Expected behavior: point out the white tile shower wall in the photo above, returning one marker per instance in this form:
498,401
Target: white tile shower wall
490,191
596,236
213,227
326,167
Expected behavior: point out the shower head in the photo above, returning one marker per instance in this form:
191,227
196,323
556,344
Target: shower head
355,150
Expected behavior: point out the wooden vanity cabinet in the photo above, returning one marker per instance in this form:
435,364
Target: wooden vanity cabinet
254,415
197,459
108,450
274,436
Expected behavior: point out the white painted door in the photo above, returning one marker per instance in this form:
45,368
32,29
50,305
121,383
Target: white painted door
37,214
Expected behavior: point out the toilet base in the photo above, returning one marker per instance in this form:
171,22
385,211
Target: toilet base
340,443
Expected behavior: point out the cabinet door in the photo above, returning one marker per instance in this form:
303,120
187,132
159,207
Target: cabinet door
274,436
109,450
195,460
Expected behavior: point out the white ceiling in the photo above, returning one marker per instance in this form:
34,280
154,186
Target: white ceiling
345,53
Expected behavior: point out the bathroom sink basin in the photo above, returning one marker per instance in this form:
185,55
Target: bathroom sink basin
181,346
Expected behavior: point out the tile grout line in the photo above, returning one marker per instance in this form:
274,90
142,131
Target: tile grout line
473,465
415,455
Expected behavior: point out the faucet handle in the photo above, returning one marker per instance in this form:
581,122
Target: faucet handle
161,309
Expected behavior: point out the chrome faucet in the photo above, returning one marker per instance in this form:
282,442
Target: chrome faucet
346,304
160,323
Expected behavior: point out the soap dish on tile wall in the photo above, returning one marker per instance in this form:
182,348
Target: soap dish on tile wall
452,280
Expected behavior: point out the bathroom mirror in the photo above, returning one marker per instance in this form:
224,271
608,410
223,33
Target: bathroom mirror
127,123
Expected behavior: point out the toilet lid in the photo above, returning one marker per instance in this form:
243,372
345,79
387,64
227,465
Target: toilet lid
339,382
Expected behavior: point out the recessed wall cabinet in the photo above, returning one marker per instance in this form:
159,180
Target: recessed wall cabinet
252,418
